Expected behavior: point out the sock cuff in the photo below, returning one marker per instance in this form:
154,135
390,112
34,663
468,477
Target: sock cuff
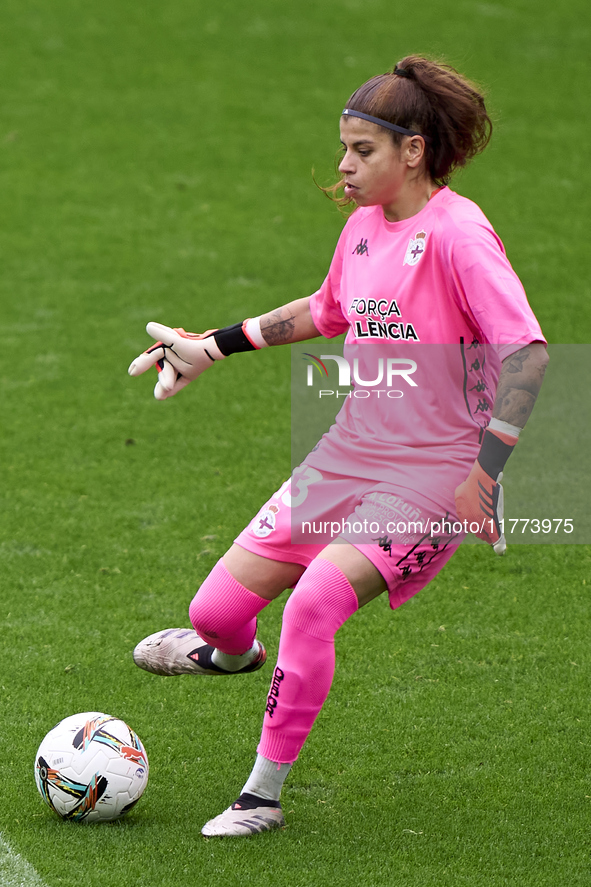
222,604
266,780
322,601
228,583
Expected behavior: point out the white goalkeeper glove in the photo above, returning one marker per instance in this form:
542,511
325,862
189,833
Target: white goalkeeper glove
179,357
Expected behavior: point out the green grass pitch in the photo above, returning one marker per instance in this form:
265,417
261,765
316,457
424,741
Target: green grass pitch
155,164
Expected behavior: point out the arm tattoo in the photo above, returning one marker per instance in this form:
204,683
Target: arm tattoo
278,328
516,361
520,381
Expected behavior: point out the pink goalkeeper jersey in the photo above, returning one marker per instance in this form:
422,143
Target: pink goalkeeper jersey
435,299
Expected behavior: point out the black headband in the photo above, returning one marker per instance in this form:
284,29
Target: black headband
405,132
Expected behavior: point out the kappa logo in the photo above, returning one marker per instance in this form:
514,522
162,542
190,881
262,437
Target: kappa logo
264,522
361,248
415,248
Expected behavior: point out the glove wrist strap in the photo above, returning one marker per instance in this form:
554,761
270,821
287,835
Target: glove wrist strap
495,450
240,337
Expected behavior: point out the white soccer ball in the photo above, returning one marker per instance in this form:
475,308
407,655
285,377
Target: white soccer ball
91,767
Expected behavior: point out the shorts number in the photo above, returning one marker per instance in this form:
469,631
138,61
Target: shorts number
301,479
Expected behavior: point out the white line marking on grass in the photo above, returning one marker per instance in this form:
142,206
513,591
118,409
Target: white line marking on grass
16,871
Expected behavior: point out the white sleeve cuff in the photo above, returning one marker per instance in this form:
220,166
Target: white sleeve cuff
252,330
504,427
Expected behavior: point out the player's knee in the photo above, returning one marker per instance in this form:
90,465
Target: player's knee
204,617
322,600
208,611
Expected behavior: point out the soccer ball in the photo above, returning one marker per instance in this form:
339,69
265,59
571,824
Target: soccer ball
91,767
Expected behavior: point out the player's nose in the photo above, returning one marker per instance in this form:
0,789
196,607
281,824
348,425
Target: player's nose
346,165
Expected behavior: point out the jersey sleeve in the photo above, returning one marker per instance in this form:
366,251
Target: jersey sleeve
491,292
325,304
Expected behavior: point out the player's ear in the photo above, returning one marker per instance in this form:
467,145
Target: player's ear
415,151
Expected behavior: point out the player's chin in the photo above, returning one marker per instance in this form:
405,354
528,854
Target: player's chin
352,193
359,198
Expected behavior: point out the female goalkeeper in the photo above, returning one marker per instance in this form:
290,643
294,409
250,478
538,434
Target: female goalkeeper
447,361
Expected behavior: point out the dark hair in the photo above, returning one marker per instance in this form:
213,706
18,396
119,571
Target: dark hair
432,98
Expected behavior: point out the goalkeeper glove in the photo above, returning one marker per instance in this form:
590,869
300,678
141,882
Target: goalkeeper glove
181,357
479,499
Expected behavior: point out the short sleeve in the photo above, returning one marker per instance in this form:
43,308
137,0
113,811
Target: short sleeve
325,305
491,292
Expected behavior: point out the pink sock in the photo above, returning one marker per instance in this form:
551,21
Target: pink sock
223,612
322,601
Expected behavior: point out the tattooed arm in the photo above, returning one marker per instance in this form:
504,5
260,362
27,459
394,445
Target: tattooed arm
181,357
479,499
290,323
522,374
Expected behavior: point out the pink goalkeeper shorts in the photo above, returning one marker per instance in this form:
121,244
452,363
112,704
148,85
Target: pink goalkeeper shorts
407,537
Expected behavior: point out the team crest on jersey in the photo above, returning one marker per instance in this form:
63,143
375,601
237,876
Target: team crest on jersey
415,248
264,522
